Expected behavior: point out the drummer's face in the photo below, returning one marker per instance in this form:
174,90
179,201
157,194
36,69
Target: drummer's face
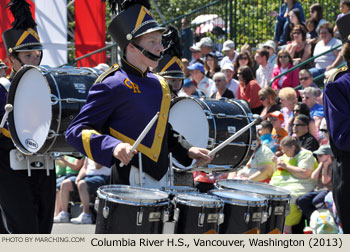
27,58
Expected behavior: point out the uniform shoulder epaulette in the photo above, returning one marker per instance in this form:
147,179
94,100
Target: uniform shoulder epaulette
5,83
107,73
337,73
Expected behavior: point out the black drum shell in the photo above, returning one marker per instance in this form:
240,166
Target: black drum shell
122,219
278,203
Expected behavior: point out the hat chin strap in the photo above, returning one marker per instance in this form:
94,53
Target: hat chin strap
148,54
21,62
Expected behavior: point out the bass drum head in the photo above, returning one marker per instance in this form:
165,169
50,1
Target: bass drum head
31,117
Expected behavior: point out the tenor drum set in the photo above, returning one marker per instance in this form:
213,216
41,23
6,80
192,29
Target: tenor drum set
234,206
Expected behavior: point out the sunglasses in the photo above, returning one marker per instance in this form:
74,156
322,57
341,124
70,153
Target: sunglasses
243,58
272,118
283,56
296,33
324,130
304,78
262,98
298,124
296,110
218,80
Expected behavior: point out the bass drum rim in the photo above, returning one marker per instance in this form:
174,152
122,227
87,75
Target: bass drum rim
11,117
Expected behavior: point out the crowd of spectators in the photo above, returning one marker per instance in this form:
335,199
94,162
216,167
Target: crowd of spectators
293,149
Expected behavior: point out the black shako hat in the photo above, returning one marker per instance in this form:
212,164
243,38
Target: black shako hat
343,25
23,35
133,20
170,66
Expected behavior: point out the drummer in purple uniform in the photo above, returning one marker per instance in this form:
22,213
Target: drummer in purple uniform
122,102
26,203
336,102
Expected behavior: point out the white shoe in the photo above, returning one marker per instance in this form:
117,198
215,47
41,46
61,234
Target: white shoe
62,217
83,218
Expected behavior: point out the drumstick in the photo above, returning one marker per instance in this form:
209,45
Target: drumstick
8,109
234,136
142,135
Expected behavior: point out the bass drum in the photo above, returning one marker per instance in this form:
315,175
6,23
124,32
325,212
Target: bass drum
207,122
45,101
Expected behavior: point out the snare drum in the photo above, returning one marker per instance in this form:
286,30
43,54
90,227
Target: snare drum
130,210
197,213
45,101
278,200
243,211
207,122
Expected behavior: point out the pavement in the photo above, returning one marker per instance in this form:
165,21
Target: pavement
68,228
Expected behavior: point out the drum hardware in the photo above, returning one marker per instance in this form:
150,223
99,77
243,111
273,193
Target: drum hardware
52,134
171,171
239,117
211,143
58,155
55,100
139,217
8,109
201,218
247,217
142,135
97,201
105,211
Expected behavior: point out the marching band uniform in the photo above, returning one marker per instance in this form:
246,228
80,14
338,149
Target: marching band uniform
337,113
121,103
26,203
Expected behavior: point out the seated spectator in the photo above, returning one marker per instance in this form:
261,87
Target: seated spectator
313,200
260,166
316,12
301,108
185,64
283,21
309,96
189,89
207,46
230,53
323,133
288,98
203,83
247,48
306,79
266,135
278,133
327,42
344,7
66,167
249,89
293,174
243,59
311,33
91,176
284,62
271,47
222,90
232,84
299,49
211,65
265,69
196,54
3,69
295,20
301,130
267,97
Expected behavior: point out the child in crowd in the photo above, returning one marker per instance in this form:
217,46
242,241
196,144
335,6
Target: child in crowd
344,7
311,28
266,135
278,133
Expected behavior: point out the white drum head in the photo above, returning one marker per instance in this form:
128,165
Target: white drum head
188,118
32,110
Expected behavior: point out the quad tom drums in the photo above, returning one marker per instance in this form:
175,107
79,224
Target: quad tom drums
243,211
207,122
45,101
278,200
131,210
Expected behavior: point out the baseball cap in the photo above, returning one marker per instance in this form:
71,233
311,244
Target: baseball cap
228,45
324,150
277,114
206,42
270,44
196,66
227,66
196,47
188,83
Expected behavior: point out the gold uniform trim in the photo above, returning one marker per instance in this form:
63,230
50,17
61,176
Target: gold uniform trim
105,74
140,18
86,135
6,133
26,34
154,151
339,70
